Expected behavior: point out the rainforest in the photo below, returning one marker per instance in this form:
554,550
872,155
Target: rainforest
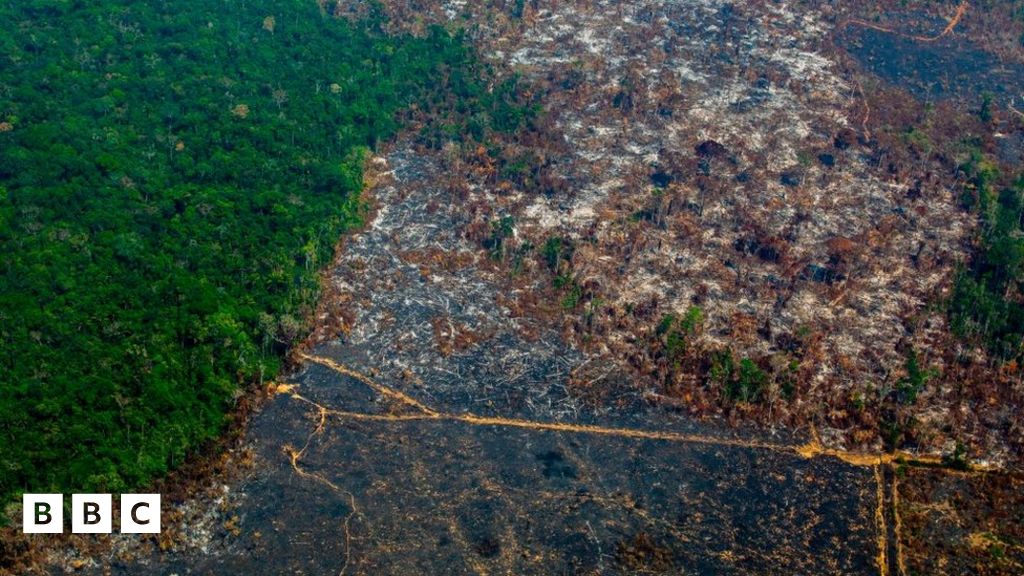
174,175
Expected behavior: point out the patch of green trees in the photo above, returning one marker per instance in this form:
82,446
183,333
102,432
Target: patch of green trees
988,300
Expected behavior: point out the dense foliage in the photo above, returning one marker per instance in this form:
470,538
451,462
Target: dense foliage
171,176
988,302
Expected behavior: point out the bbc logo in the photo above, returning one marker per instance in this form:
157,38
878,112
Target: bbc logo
90,513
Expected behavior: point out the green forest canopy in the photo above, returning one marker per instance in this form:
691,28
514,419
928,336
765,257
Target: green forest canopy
171,176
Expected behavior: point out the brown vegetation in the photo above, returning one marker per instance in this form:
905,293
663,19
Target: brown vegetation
807,210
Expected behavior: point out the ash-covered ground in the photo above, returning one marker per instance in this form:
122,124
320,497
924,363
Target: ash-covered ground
348,479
